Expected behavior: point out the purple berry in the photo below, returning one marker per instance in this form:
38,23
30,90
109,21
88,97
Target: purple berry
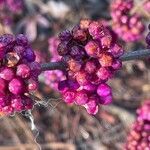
29,55
2,85
23,70
65,35
92,48
81,97
69,96
103,90
7,74
106,100
16,86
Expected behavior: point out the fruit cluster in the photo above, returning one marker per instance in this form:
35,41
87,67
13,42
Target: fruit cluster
8,8
138,138
129,27
147,6
148,38
52,77
92,55
18,74
15,6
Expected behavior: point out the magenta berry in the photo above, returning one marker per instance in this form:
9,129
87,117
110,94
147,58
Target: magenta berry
16,86
91,66
81,97
16,71
103,90
92,48
69,96
7,74
23,70
104,73
2,85
105,100
92,55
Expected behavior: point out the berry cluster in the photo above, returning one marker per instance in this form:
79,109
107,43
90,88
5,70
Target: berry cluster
15,6
129,27
52,77
139,136
92,54
148,38
147,6
8,8
18,74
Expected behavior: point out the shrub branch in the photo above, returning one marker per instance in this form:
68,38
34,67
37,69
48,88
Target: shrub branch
140,54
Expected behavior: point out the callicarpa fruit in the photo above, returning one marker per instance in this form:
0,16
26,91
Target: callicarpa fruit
18,74
92,54
128,27
139,136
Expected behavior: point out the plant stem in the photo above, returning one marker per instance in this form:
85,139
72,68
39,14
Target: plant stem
140,54
53,66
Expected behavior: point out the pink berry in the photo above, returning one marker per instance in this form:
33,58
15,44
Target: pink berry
106,100
7,74
16,86
32,85
2,85
81,97
92,48
16,103
23,70
69,96
82,78
103,90
104,73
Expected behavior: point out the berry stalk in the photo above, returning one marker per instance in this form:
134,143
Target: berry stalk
140,54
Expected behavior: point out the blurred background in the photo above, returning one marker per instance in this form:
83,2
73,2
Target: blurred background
57,125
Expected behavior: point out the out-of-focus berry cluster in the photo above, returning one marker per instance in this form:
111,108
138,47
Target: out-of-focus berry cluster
15,6
147,6
92,54
148,38
139,136
8,8
52,77
129,27
18,74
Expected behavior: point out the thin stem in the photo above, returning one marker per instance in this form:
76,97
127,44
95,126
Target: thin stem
140,54
53,66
